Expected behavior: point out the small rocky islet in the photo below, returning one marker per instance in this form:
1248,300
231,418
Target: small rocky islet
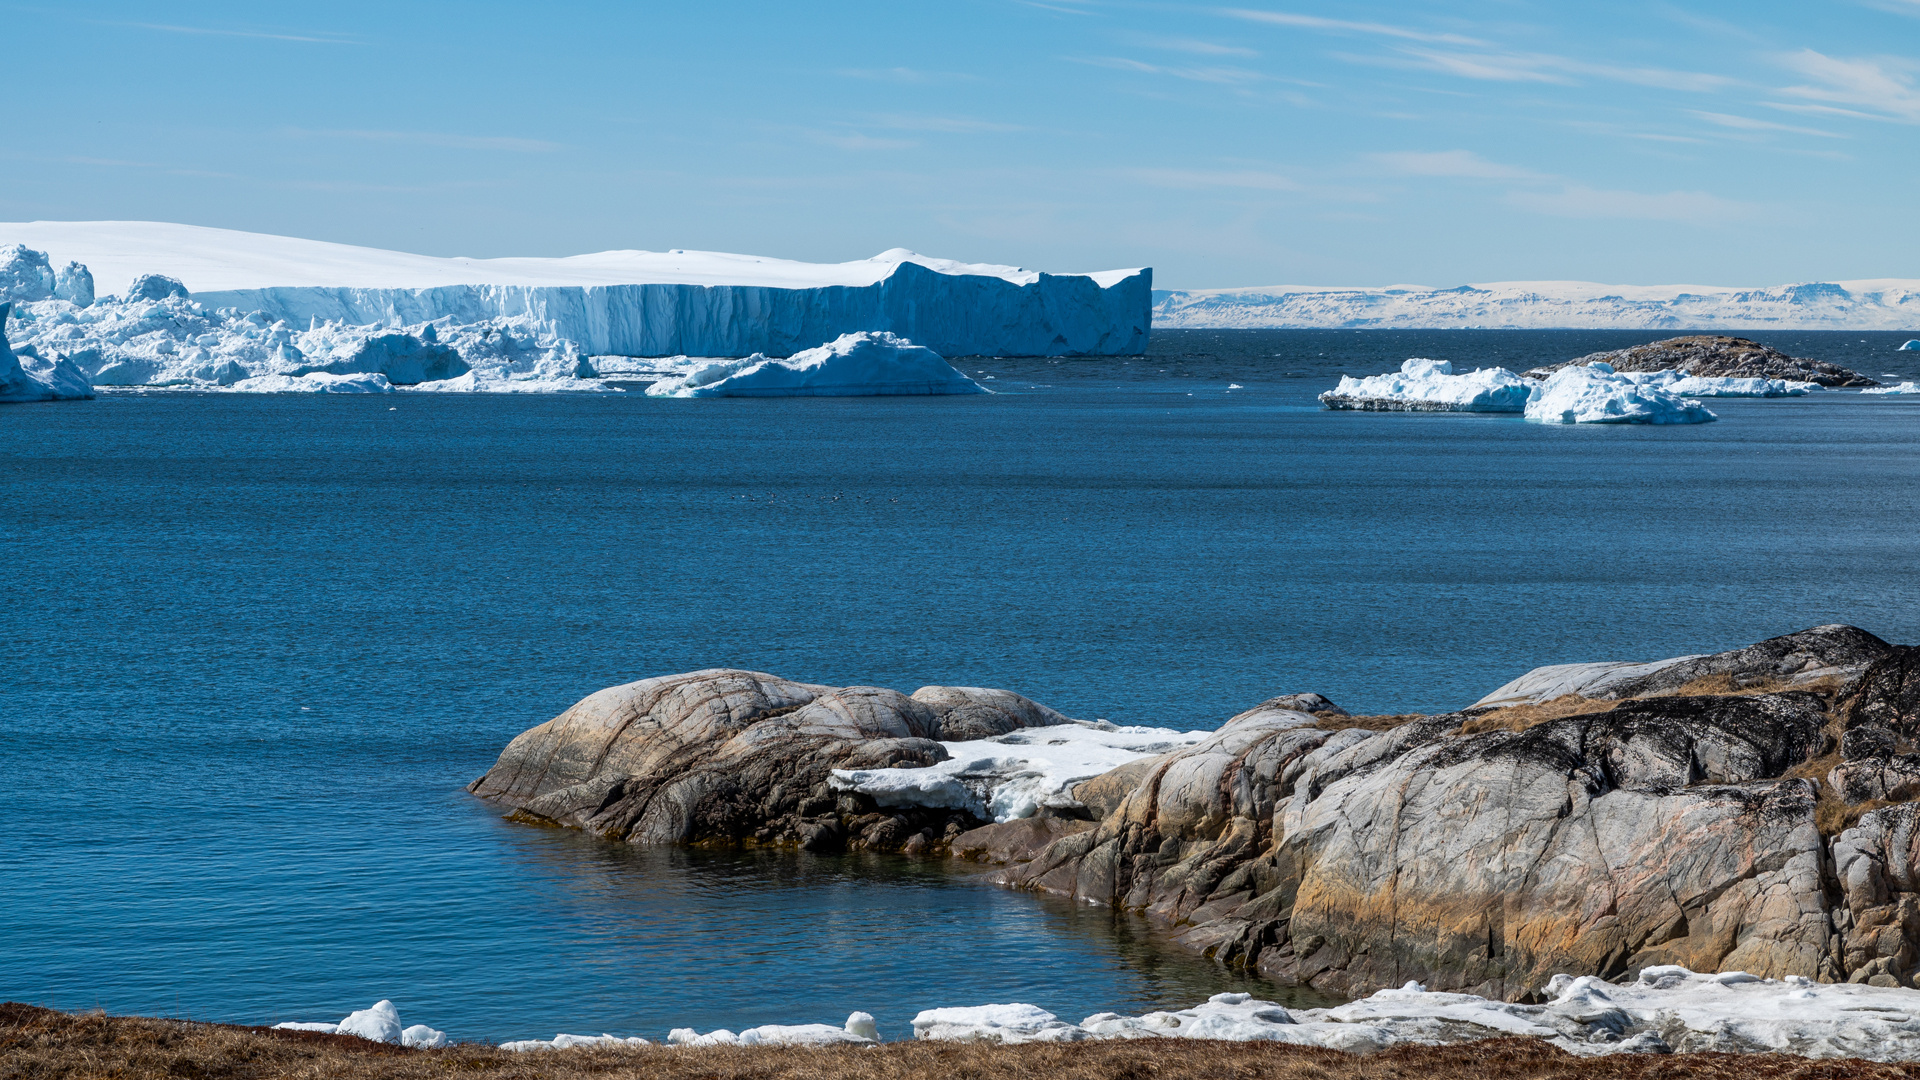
1715,356
1750,810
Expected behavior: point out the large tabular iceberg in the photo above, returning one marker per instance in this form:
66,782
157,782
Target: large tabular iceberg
1596,394
628,303
1424,385
853,364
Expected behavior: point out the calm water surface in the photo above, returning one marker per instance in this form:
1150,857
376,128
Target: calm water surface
258,644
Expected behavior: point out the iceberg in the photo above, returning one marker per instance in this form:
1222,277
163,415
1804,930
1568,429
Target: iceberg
1431,386
1680,382
1911,346
1596,394
852,365
379,1022
25,376
1908,387
628,303
1018,774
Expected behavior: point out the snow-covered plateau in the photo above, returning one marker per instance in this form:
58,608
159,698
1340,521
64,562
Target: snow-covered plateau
1665,1009
625,303
1578,394
1874,304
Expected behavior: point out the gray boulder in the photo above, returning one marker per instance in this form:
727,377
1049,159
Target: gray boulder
725,756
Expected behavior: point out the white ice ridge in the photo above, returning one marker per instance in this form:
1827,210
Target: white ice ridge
1908,387
1015,775
1431,385
852,364
380,1023
631,303
1870,304
1666,1009
1596,394
1911,346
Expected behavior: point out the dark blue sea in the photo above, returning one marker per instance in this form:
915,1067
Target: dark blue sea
255,646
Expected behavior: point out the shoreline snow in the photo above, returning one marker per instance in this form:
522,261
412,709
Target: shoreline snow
1664,1009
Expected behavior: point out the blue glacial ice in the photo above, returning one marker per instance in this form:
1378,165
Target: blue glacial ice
27,376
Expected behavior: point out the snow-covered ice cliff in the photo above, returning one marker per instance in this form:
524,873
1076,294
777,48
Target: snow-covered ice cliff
629,303
30,377
1877,304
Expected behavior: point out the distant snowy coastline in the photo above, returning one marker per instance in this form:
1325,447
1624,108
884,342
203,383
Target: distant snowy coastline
1876,304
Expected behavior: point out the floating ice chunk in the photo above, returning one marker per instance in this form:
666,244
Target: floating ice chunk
380,1023
1908,387
1424,385
26,376
1679,382
1014,1023
1911,346
317,382
1596,394
1013,775
857,364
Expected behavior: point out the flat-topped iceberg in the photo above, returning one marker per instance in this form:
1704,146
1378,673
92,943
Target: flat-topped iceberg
860,364
26,376
1017,774
627,303
1596,394
1424,385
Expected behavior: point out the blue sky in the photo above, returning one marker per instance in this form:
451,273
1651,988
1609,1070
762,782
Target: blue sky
1244,144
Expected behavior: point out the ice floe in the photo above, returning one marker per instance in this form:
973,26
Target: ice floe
857,364
1424,385
1015,775
1596,394
1911,346
380,1023
1679,382
1908,387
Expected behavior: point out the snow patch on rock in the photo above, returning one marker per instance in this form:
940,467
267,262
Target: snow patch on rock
1017,774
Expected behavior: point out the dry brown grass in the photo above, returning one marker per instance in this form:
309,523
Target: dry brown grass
1367,723
39,1044
1522,717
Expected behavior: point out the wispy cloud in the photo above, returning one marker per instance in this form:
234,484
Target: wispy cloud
1748,123
1228,76
1462,163
854,140
1345,26
309,37
1252,179
1883,86
1499,66
1193,46
1059,8
439,139
1580,201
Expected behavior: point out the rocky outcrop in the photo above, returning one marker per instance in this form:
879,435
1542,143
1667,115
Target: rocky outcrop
1822,654
1664,829
1715,356
725,756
